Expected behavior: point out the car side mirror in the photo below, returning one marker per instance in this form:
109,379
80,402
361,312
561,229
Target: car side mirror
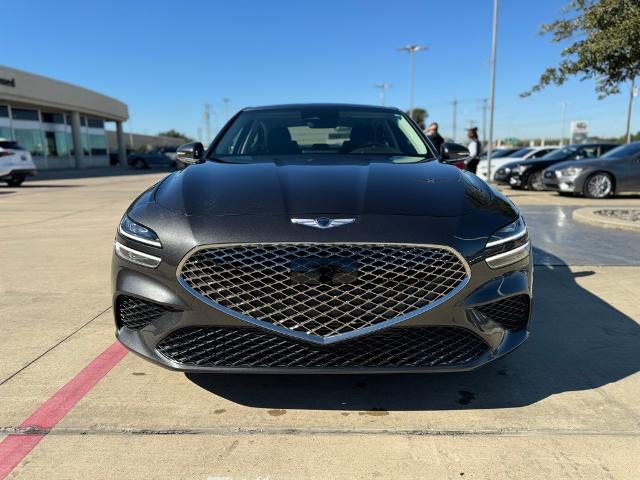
453,153
190,153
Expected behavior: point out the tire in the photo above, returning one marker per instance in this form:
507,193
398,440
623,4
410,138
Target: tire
140,164
534,182
598,185
15,181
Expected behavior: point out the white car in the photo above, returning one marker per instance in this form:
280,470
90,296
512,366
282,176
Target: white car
16,163
522,154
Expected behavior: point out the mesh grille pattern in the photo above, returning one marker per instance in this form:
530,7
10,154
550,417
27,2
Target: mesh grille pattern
135,313
369,284
512,313
249,347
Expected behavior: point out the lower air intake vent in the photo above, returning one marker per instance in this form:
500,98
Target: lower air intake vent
511,313
135,313
248,347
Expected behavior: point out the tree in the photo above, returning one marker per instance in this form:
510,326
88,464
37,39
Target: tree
605,36
419,115
175,134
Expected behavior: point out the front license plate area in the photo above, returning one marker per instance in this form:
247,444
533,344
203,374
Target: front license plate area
331,271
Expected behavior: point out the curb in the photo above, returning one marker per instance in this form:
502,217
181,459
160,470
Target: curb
588,215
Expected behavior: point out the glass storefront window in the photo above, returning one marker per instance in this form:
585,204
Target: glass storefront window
52,117
24,114
30,140
5,132
96,122
98,144
57,144
85,143
4,111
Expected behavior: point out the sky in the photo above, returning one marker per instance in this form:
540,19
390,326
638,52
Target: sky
167,59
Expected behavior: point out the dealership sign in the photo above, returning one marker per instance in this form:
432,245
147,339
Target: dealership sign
579,131
8,82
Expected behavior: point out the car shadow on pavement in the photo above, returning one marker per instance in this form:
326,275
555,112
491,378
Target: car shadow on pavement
578,342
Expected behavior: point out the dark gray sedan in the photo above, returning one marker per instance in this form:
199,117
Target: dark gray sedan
616,171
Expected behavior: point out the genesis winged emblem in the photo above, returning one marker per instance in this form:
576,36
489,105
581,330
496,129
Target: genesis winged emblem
322,222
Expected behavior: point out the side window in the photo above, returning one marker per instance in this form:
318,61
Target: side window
540,153
589,152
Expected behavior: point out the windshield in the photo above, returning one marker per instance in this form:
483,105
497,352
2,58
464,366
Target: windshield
10,144
319,131
622,151
560,154
521,153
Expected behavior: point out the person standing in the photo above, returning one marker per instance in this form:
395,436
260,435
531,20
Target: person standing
475,149
434,136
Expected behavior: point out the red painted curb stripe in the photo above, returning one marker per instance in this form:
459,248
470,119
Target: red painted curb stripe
15,448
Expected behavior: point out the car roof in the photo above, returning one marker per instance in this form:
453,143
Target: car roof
321,105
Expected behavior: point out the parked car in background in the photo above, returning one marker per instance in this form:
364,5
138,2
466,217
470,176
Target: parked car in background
528,173
519,154
16,163
163,157
616,171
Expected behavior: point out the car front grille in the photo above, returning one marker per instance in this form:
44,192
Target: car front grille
254,348
135,313
323,290
511,313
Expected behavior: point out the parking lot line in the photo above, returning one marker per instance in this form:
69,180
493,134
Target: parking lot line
14,448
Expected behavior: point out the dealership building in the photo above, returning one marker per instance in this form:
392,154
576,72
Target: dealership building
62,125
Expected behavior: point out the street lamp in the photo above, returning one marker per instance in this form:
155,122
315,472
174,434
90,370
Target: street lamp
411,49
492,85
382,87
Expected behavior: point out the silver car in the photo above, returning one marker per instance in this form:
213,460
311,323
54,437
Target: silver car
617,171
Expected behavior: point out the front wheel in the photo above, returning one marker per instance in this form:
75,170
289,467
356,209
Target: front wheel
16,181
599,185
535,182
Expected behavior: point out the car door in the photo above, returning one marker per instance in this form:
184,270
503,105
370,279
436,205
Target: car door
634,173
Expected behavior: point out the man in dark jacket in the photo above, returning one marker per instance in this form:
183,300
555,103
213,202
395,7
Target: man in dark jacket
434,136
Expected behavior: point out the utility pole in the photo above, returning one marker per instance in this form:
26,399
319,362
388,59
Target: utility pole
633,93
562,121
382,87
484,121
492,86
411,50
207,122
226,101
455,119
200,135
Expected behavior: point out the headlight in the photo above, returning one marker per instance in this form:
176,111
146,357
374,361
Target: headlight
511,232
571,172
521,168
508,245
139,233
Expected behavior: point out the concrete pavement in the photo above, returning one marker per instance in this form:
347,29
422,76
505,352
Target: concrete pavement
563,406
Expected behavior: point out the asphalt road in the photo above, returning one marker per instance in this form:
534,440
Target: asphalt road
73,405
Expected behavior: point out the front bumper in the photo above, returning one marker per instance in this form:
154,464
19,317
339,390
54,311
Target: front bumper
17,172
171,314
561,184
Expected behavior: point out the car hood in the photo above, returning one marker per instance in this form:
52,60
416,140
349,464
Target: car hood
333,186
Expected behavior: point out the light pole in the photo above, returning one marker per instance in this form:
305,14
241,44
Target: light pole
562,121
455,119
633,93
411,50
226,101
382,87
492,86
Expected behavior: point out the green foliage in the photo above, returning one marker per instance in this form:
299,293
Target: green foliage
605,44
419,115
175,134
